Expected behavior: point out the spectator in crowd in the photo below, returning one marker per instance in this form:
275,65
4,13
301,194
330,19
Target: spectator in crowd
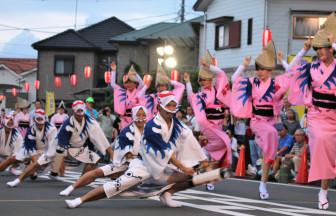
255,151
179,115
286,106
240,130
90,111
293,158
191,121
228,120
303,121
37,105
286,143
106,121
234,149
291,121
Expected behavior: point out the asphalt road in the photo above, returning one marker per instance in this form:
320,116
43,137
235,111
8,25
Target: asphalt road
231,197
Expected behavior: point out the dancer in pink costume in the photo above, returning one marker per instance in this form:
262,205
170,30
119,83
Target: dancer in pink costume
208,105
22,119
260,98
126,98
162,83
59,117
313,84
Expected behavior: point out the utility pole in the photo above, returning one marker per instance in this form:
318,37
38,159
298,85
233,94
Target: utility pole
182,11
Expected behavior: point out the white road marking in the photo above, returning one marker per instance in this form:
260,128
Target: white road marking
224,204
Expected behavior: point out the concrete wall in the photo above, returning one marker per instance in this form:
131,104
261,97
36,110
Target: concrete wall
46,63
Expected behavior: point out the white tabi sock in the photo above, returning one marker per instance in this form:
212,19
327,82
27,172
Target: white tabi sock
67,191
263,191
166,198
323,199
13,183
73,203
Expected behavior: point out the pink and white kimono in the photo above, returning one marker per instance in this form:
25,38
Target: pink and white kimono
125,100
152,99
58,119
208,106
22,121
262,102
314,85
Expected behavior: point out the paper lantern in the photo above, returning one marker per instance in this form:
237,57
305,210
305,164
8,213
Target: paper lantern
14,92
73,80
87,72
2,97
266,37
27,86
37,84
58,82
175,75
107,77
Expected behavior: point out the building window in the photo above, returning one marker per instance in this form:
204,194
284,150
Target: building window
249,31
305,26
64,65
228,35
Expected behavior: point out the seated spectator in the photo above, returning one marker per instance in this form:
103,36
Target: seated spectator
191,121
255,151
291,121
286,143
293,158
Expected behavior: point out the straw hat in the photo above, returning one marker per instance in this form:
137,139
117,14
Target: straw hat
321,39
131,75
267,58
160,74
205,73
330,24
22,103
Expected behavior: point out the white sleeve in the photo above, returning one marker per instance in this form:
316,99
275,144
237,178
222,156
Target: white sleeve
238,72
215,69
141,83
334,46
113,79
296,60
189,89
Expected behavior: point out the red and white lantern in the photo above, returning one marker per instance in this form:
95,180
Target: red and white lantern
14,92
87,72
107,77
58,82
266,36
73,80
2,97
175,75
37,84
27,86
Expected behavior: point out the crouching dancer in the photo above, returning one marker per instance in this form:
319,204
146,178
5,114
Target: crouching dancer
39,145
158,152
126,148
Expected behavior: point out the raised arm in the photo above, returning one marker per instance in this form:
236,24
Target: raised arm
241,68
186,78
178,89
113,74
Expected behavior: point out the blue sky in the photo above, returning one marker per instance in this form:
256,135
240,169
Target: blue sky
23,22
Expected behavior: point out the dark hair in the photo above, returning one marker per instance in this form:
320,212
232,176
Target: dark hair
285,126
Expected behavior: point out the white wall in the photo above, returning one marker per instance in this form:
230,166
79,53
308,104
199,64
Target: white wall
30,78
240,10
280,22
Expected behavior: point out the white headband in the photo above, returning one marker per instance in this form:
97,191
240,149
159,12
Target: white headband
7,118
39,113
165,97
135,110
78,105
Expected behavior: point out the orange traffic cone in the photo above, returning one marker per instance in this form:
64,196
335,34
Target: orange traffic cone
302,176
241,168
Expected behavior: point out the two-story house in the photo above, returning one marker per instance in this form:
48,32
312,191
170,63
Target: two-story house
233,29
70,52
14,73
